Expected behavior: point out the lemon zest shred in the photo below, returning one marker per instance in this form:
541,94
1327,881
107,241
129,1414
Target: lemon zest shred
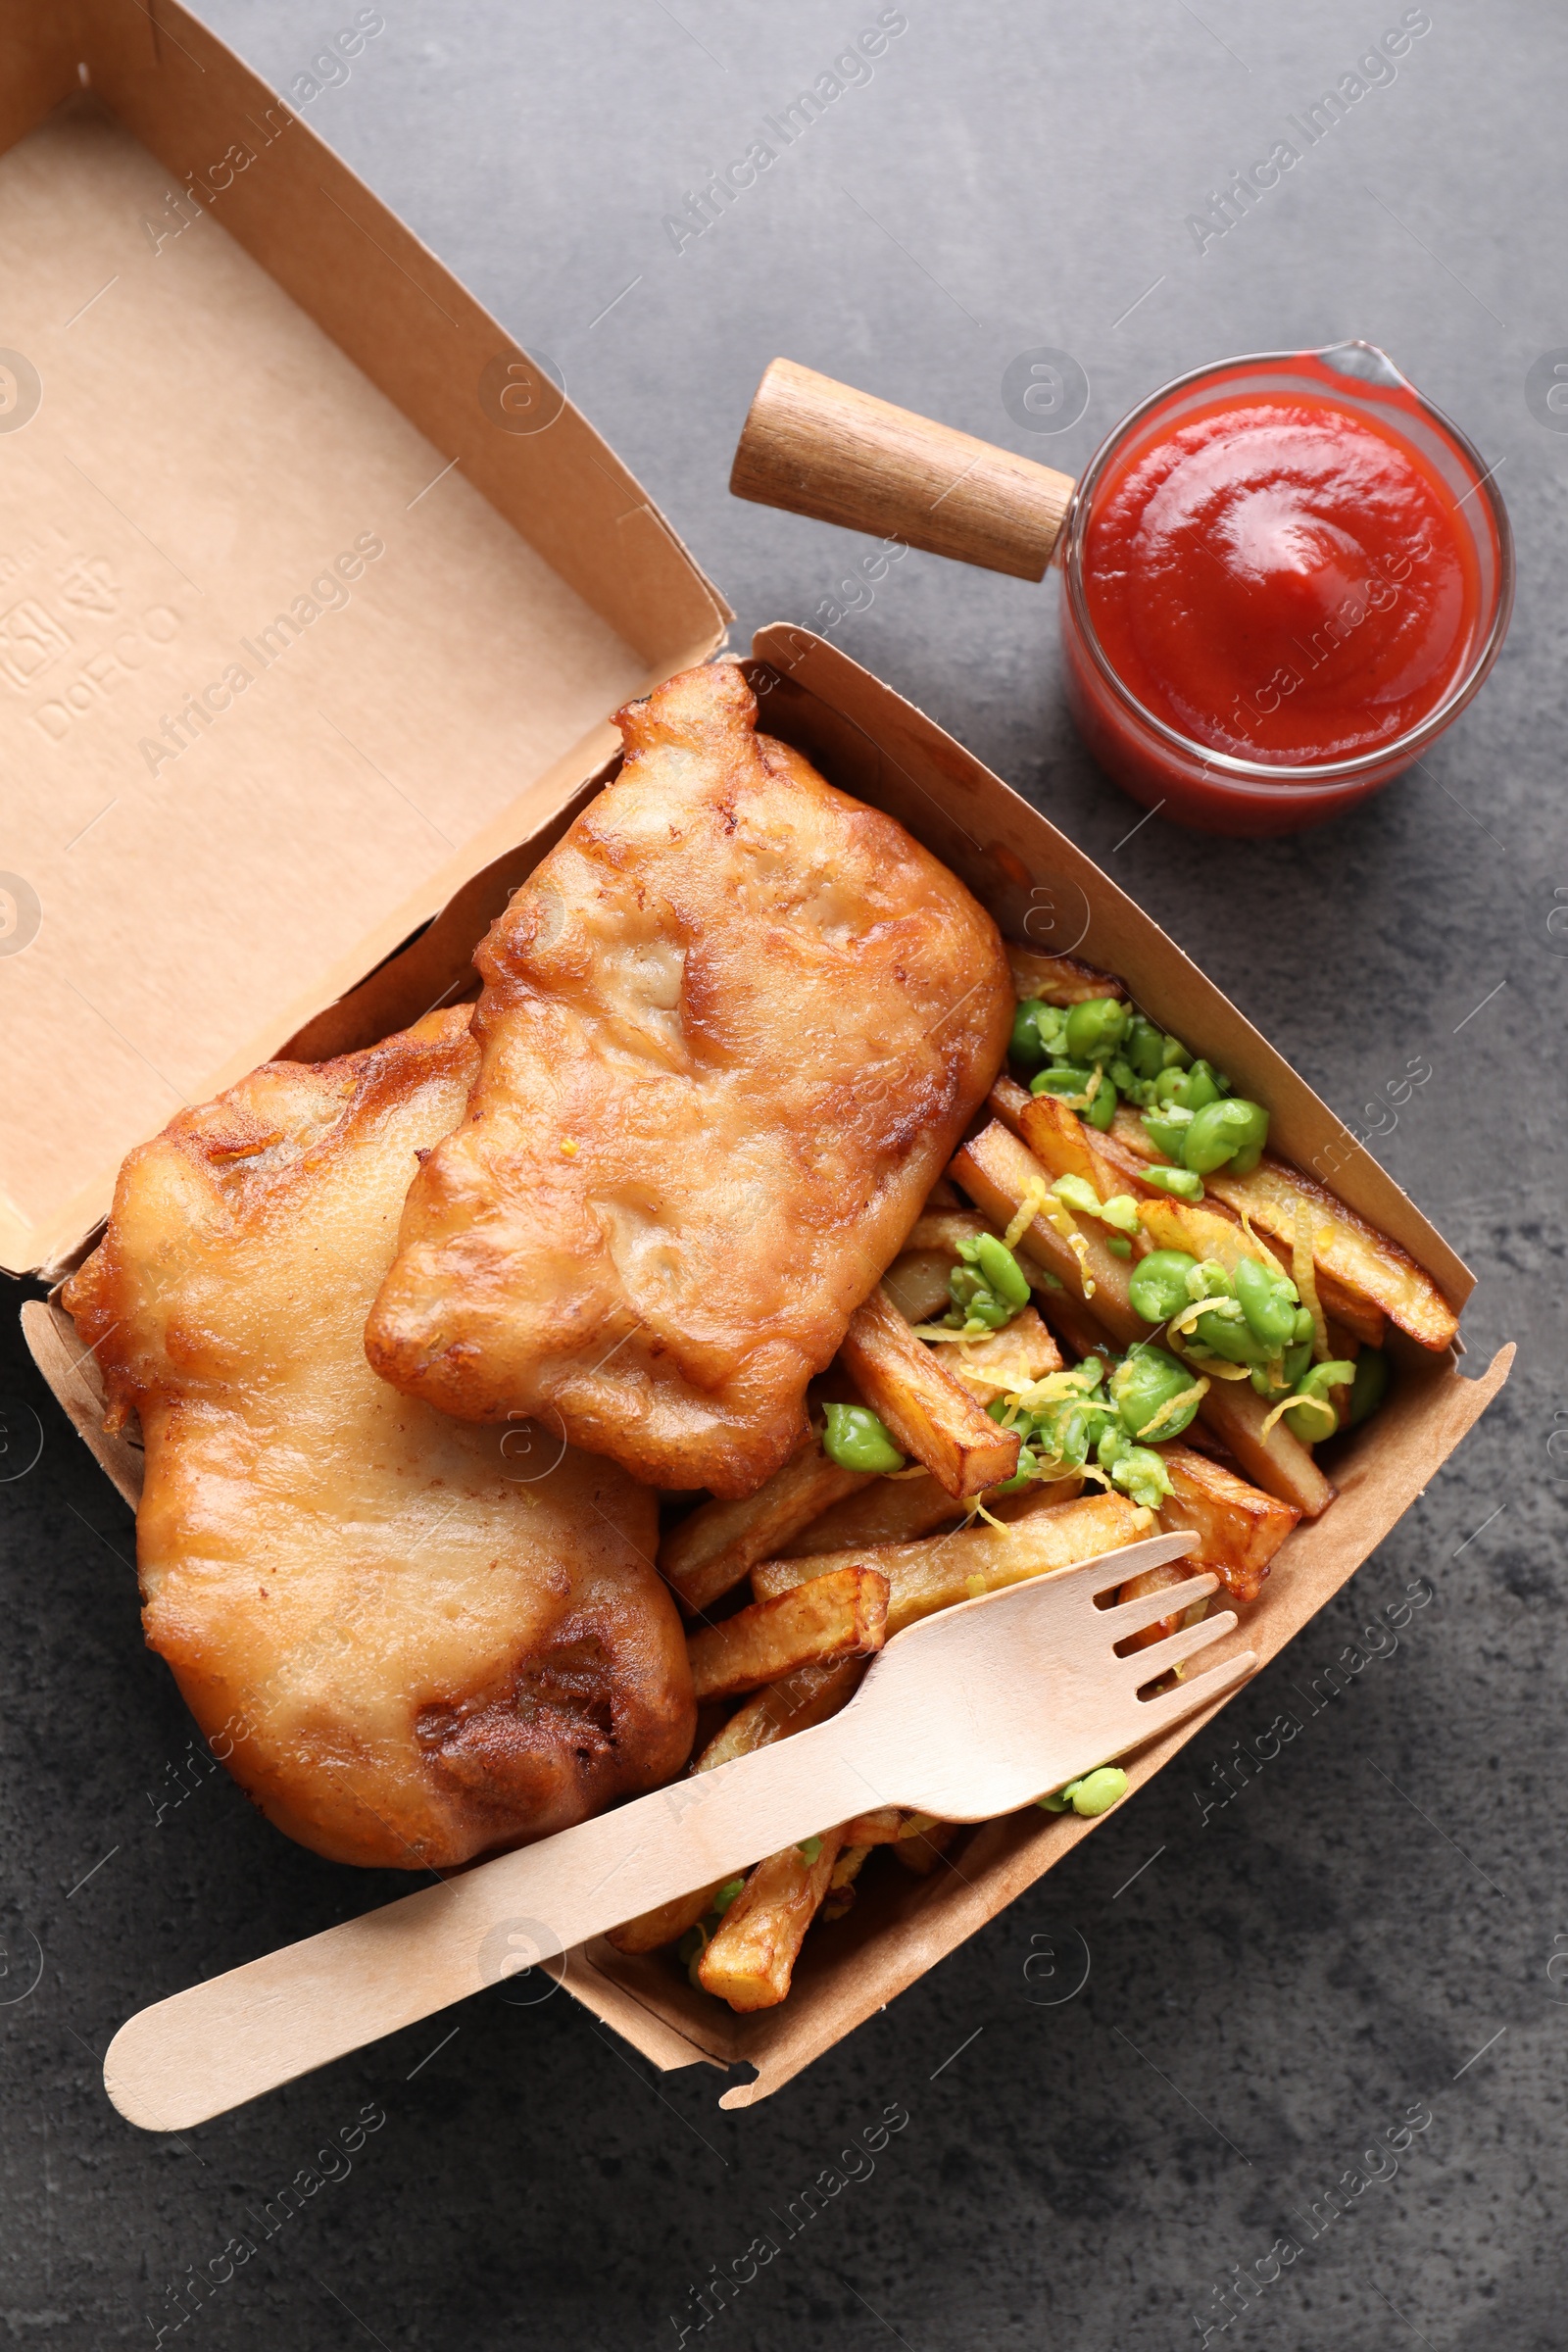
1056,1213
1034,1191
1186,1319
1172,1406
1318,1404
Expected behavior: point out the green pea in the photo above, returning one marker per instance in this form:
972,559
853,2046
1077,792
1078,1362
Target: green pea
1123,1077
1118,1245
1103,1109
1210,1280
1268,1301
1144,1047
1028,1464
1225,1131
1026,1045
1370,1384
1059,1800
1191,1088
1185,1183
1003,1271
1167,1135
1095,1028
1231,1337
965,1286
1141,1475
987,1309
810,1850
1311,1428
1304,1329
1098,1790
1121,1210
1157,1287
1145,1381
973,1299
1064,1079
1066,1431
857,1440
726,1895
1290,1366
1079,1194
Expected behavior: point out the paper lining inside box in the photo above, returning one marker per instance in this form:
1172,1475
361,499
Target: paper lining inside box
275,675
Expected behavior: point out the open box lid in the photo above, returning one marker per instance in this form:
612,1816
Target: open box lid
314,592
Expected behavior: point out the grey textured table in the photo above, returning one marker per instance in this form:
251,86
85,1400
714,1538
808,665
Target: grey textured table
1369,1929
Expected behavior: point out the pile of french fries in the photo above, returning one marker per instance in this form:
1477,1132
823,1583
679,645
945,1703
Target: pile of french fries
839,1561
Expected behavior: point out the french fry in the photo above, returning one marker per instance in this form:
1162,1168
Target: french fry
885,1825
1055,1135
924,1409
921,1850
1058,979
1364,1262
653,1929
1200,1231
1041,1495
752,1956
996,1170
1235,1413
1361,1275
804,1698
891,1510
879,1827
1064,1145
1238,1528
917,1283
899,1510
840,1613
935,1574
1354,1313
1021,1352
943,1229
1160,1580
706,1554
1212,1231
941,1195
1074,1324
840,1895
792,1704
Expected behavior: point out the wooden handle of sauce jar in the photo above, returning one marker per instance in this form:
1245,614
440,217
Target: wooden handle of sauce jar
819,448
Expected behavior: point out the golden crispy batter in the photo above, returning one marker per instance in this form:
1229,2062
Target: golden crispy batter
409,1644
730,1028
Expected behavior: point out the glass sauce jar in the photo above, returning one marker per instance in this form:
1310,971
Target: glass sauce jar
1283,577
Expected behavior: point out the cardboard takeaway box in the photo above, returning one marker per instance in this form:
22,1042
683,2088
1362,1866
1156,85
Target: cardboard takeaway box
237,388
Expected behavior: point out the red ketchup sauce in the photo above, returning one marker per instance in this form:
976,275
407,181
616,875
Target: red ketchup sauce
1283,581
1280,566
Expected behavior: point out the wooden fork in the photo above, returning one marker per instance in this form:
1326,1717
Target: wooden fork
970,1713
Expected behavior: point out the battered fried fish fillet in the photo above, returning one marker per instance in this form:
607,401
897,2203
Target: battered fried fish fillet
732,1027
409,1644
